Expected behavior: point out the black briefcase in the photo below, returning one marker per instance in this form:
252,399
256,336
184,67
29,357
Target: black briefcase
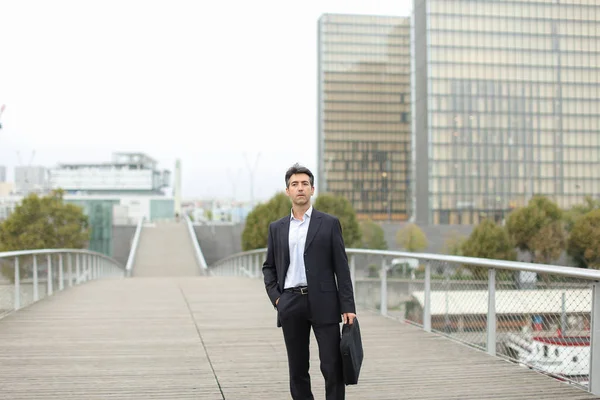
352,352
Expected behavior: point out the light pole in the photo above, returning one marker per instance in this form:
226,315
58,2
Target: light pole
252,170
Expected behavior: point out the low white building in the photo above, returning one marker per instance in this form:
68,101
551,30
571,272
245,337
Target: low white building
127,173
125,209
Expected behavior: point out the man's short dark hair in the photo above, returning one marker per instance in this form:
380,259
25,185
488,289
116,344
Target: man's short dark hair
298,169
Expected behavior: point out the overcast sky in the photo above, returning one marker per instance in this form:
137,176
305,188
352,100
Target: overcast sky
204,81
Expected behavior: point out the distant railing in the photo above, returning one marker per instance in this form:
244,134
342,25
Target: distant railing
134,246
543,316
197,250
30,275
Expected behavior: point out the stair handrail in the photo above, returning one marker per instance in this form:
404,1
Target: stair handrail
197,250
134,246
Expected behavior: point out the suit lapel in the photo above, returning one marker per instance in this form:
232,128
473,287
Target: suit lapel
285,236
313,228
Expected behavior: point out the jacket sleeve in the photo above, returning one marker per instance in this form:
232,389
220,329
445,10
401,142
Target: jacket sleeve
269,270
342,270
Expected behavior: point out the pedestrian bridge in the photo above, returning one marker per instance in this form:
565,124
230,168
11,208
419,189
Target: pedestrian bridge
77,325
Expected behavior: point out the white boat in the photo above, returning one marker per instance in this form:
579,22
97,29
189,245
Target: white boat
565,357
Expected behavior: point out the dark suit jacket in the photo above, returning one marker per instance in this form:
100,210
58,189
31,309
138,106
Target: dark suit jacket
325,260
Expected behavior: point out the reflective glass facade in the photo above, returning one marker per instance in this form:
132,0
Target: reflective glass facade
506,105
364,113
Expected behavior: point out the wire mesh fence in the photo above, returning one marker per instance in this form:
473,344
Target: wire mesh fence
30,276
538,319
545,324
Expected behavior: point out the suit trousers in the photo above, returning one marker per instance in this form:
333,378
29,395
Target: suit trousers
295,318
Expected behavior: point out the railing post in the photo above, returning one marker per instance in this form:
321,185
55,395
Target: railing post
17,303
491,315
70,268
258,265
427,299
36,293
77,268
61,285
595,341
49,277
383,307
87,268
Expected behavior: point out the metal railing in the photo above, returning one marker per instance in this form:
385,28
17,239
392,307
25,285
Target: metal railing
134,246
248,263
542,316
197,250
30,275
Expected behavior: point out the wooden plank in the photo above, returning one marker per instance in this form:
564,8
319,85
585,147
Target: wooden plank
115,339
215,338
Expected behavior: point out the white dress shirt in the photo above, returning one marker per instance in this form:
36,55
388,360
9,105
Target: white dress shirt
296,274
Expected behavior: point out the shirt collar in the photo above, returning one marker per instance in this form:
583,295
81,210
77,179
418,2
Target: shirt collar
308,213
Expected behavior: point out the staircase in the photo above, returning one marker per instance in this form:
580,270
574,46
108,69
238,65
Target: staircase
165,249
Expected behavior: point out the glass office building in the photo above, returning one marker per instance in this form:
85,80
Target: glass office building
506,105
364,113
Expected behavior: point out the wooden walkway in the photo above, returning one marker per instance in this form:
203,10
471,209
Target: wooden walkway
215,338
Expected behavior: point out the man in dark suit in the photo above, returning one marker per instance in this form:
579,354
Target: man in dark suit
305,257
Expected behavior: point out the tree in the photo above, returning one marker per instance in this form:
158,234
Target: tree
341,208
584,241
411,238
208,214
256,230
45,223
571,216
548,244
525,224
488,240
454,243
373,236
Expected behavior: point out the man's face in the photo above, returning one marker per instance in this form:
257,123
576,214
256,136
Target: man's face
299,190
